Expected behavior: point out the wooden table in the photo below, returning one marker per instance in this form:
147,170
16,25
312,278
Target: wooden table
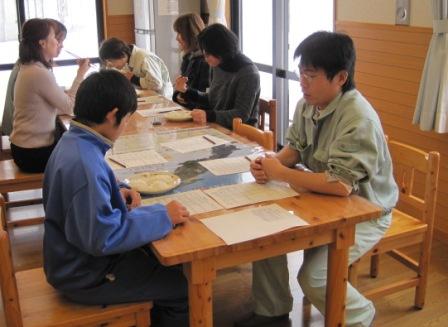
331,219
332,222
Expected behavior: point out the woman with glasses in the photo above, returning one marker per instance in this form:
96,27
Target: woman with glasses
37,96
194,69
235,81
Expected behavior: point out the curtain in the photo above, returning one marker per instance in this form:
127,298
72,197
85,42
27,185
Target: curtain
217,10
431,111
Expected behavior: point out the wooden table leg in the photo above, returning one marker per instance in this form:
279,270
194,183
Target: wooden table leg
200,275
337,277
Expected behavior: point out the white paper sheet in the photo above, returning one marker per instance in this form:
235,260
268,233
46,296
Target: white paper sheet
249,224
195,201
151,99
237,195
227,166
113,164
137,159
255,155
195,143
133,143
157,111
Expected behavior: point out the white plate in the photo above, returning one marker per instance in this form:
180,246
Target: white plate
179,115
154,182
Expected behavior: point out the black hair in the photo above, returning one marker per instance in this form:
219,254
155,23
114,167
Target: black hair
219,41
114,48
100,93
34,30
331,52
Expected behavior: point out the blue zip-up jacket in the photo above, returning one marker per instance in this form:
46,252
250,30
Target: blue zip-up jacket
87,224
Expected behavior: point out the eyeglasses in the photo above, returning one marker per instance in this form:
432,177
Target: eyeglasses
306,77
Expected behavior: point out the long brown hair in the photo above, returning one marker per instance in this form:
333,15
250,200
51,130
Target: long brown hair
189,26
60,30
34,30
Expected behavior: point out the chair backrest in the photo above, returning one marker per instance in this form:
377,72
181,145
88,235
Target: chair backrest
268,107
263,138
8,284
416,173
3,224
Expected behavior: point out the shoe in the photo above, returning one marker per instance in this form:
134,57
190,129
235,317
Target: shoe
255,320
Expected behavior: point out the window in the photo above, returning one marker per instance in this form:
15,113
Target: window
269,32
72,13
83,19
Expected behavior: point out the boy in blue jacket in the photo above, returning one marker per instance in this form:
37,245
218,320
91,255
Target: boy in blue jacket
96,232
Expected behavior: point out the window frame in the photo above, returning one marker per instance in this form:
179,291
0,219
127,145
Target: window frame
279,68
21,18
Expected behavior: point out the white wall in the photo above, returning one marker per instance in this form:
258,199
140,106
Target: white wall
187,6
382,11
125,7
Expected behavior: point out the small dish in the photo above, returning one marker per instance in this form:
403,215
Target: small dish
154,182
178,115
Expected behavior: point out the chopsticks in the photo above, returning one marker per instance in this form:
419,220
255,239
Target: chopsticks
76,56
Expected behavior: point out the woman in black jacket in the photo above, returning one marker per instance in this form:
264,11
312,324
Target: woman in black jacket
235,81
194,68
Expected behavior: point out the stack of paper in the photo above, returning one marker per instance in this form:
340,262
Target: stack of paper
252,223
227,166
137,159
195,201
195,143
232,196
156,111
133,143
150,99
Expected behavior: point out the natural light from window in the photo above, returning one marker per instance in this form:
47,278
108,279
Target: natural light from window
305,17
79,17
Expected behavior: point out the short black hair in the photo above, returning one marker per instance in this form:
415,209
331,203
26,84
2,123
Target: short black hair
100,93
114,48
219,41
332,52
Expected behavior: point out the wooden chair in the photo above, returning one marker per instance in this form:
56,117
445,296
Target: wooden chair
268,107
29,301
416,174
263,138
12,179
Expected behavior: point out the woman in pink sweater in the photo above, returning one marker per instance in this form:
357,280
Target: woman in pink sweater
37,97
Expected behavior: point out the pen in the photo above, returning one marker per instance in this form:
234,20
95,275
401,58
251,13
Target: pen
208,139
117,162
247,158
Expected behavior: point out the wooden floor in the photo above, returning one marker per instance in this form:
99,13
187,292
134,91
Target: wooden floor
232,288
232,292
